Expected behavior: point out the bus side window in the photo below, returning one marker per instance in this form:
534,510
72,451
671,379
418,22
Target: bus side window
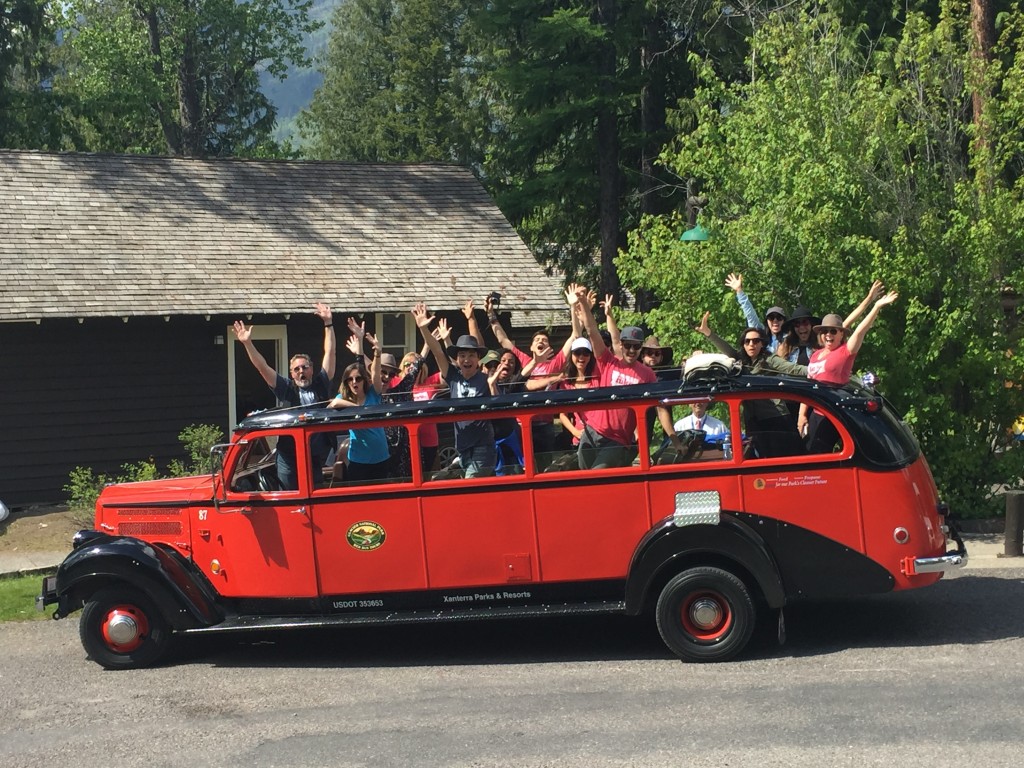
702,428
770,428
822,435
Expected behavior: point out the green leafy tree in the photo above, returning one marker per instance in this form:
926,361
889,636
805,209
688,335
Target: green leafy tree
845,159
179,76
396,86
30,115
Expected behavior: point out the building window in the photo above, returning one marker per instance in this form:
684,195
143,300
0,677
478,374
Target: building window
397,333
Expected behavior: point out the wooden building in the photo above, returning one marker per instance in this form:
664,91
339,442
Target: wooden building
122,276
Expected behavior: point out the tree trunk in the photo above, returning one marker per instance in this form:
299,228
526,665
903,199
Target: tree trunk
608,156
983,34
172,134
189,100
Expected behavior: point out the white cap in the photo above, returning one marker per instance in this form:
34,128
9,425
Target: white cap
582,343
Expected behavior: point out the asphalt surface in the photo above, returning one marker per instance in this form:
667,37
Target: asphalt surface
925,678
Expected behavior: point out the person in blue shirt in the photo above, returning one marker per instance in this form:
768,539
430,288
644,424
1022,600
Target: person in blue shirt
368,453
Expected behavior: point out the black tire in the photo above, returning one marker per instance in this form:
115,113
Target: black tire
144,633
705,614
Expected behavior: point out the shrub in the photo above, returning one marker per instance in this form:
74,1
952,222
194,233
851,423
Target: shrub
84,485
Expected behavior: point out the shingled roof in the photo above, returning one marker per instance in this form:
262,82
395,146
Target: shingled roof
85,235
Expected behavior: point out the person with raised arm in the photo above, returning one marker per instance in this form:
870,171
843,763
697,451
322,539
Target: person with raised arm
833,364
474,439
303,388
609,437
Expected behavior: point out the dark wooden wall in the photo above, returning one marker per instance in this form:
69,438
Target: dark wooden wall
104,392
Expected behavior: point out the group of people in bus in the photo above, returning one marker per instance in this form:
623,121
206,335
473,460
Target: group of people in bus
801,344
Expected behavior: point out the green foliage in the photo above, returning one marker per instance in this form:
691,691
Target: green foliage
197,440
178,76
84,485
395,85
844,160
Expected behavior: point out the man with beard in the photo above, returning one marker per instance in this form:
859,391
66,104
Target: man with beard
304,388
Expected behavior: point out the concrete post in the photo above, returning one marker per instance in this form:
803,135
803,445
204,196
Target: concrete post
1013,534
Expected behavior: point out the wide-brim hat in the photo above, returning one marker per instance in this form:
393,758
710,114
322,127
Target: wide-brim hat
832,321
651,342
466,343
388,362
800,313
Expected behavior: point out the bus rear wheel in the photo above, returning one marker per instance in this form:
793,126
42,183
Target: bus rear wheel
122,629
705,614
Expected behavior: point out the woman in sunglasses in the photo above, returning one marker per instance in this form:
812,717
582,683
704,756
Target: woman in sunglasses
767,422
368,452
753,352
833,364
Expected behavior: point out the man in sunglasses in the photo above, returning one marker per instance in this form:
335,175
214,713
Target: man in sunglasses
304,387
609,438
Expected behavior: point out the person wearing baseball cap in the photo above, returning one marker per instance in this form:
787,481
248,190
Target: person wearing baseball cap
608,439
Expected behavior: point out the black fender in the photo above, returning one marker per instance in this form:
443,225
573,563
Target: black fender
668,549
169,580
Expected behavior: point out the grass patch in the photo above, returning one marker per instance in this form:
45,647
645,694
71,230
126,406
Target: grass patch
18,598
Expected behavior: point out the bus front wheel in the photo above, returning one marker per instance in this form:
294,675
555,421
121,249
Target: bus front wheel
705,614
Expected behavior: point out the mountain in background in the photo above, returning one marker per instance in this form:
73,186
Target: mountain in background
294,93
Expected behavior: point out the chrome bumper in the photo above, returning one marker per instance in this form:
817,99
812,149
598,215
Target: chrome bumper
942,563
946,562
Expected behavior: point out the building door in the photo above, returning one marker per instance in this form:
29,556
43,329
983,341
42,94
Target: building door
247,392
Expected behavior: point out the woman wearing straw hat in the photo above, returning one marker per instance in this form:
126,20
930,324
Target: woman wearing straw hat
833,363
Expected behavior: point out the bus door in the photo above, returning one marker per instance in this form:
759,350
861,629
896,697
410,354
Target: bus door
366,520
479,533
258,541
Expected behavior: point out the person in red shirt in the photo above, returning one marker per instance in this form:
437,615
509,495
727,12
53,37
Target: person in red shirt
609,438
833,364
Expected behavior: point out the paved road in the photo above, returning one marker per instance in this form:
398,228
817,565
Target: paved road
930,678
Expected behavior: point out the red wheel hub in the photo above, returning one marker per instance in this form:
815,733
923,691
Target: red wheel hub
124,628
706,616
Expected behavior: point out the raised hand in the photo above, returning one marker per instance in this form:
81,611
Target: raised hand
467,309
889,298
443,331
323,311
354,345
877,289
420,315
735,281
242,333
704,329
359,329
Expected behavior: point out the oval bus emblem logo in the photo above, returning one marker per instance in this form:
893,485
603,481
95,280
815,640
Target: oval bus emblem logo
365,535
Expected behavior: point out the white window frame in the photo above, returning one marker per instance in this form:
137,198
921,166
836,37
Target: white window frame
411,342
278,333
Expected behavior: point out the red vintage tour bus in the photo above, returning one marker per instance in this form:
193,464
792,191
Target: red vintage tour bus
709,540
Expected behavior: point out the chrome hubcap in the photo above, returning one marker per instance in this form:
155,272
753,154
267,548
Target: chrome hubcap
122,629
705,613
